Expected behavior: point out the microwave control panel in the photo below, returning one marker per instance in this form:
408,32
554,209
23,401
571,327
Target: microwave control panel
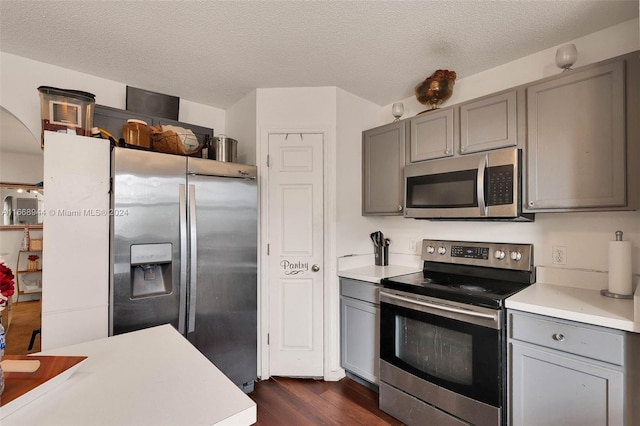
500,189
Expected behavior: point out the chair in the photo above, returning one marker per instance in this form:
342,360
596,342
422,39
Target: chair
33,338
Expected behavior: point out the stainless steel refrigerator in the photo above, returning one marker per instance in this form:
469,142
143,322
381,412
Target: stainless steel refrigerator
184,252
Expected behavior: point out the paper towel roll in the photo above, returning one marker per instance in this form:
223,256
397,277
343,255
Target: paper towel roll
620,267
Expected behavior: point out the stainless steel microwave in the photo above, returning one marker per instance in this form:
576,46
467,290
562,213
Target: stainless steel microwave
485,186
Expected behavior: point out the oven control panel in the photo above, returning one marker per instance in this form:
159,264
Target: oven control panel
470,252
494,255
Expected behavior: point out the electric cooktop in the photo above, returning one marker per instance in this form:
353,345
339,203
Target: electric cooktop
478,291
477,273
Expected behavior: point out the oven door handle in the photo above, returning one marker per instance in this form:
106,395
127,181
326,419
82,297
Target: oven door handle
440,307
482,166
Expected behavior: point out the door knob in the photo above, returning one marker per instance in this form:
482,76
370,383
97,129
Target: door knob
315,268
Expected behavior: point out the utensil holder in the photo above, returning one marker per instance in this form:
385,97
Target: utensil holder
382,255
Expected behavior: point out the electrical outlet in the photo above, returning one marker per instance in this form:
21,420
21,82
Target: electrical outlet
412,246
559,255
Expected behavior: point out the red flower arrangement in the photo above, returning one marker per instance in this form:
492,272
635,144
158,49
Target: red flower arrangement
6,283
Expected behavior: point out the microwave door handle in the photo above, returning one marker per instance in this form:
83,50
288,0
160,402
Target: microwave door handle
482,166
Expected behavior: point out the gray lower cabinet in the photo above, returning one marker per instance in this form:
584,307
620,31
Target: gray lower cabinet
359,326
382,165
578,135
567,373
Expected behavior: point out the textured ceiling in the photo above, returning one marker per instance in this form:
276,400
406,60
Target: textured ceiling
216,52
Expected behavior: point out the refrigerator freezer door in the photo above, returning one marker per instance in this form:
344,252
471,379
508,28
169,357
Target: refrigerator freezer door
146,204
199,166
225,327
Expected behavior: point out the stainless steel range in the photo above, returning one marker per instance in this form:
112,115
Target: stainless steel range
443,333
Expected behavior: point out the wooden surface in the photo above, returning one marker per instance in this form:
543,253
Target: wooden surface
288,401
25,318
18,384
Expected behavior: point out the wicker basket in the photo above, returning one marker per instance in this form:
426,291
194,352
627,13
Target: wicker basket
170,142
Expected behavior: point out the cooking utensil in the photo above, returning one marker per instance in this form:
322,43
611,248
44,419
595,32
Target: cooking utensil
225,149
377,238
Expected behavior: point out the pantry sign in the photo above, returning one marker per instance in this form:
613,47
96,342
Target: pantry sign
294,268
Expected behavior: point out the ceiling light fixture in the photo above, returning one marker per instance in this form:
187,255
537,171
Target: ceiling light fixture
566,56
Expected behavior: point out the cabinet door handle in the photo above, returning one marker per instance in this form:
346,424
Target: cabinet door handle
558,337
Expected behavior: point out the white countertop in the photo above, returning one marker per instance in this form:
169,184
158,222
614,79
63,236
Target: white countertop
148,377
374,273
584,305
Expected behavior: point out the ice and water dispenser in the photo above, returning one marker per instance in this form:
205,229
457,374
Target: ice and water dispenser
151,270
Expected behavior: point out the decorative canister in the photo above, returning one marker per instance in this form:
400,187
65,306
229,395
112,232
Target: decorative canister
66,111
137,133
32,265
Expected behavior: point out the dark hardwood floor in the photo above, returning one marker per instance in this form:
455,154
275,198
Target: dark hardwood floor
287,401
25,318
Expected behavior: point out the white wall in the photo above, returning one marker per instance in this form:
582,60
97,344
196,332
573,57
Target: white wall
20,168
20,78
309,109
584,235
296,107
354,115
608,43
241,125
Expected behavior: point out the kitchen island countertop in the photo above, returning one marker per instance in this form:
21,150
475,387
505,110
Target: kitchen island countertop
374,274
584,305
147,377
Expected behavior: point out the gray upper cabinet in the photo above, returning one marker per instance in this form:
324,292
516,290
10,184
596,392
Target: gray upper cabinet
431,135
383,156
576,139
480,125
579,132
489,123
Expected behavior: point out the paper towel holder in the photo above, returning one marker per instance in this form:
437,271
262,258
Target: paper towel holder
606,291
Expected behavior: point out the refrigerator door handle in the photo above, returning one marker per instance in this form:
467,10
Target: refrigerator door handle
182,313
194,259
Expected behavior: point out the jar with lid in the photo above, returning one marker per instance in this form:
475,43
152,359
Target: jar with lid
137,133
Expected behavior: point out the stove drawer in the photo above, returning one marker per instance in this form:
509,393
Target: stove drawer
411,410
594,342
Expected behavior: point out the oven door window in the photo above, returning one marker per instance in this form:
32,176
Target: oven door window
443,190
459,356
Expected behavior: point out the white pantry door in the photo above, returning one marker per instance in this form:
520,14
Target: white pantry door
295,209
